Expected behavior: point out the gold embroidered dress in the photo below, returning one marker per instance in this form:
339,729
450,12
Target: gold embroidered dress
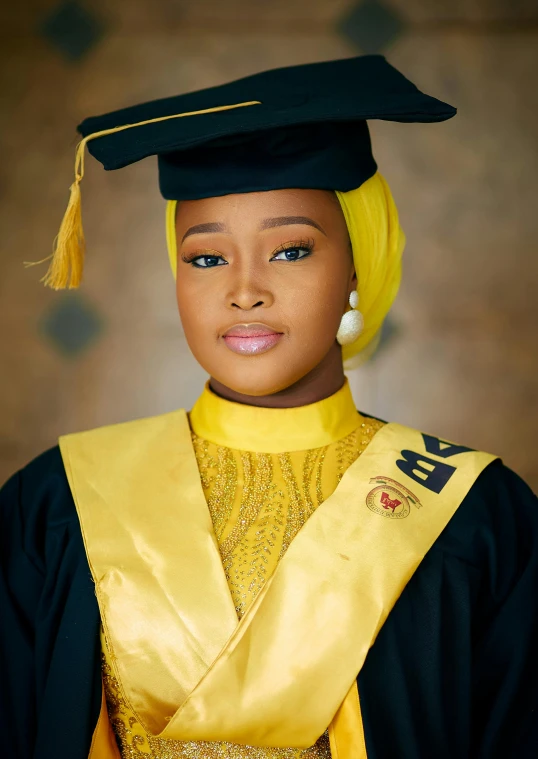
263,472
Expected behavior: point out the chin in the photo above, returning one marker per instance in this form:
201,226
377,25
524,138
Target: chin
258,383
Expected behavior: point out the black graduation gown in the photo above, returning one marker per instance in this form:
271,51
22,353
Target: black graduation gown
452,674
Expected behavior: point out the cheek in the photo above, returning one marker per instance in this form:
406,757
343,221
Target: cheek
317,310
195,306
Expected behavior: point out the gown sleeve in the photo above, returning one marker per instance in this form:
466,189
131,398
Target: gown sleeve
505,635
453,672
50,686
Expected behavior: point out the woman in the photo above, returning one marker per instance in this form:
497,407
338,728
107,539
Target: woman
273,574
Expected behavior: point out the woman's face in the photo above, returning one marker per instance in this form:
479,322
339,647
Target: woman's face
262,282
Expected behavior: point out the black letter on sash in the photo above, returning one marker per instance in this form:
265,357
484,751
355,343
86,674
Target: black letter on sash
435,479
433,446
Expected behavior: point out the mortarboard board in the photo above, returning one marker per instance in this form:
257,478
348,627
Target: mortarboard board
301,126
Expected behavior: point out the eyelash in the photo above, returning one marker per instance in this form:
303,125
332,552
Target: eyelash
195,256
299,245
307,245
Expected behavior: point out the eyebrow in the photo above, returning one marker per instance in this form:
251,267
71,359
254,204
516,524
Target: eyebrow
277,221
199,229
281,221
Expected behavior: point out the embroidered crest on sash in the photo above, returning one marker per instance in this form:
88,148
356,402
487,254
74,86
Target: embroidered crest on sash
390,498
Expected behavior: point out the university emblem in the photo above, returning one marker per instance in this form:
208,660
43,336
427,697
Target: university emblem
390,498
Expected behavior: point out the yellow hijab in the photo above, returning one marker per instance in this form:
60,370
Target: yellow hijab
377,241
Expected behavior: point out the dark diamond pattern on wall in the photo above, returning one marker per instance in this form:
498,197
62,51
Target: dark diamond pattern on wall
71,325
371,26
72,29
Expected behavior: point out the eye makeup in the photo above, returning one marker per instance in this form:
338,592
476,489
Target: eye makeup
212,258
294,246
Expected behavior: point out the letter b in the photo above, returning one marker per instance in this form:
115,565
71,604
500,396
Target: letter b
434,478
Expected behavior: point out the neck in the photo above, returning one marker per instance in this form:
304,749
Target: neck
324,380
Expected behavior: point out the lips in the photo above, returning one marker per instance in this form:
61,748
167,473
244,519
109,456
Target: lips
251,339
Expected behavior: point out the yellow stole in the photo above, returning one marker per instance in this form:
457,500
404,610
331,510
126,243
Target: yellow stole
186,666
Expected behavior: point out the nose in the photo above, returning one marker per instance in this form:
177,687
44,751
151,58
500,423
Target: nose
247,292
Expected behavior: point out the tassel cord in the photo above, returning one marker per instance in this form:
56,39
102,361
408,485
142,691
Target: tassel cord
66,266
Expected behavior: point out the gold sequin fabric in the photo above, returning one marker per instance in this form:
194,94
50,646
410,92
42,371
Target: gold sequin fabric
258,503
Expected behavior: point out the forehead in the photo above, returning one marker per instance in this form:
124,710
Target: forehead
253,207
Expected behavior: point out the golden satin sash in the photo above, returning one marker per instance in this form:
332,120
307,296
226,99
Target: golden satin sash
189,670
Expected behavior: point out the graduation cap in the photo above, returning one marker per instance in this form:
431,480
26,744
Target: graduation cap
295,127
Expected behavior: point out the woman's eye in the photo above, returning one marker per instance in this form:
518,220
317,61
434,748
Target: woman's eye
291,254
207,262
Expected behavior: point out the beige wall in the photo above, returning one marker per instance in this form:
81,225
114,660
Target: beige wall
460,359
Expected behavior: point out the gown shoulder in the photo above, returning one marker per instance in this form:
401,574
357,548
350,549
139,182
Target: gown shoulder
33,502
496,523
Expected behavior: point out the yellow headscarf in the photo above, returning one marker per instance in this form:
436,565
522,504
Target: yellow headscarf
377,241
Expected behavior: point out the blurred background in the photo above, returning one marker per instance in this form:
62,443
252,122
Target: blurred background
459,355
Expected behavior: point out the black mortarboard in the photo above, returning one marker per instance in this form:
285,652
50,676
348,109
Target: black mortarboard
301,126
308,130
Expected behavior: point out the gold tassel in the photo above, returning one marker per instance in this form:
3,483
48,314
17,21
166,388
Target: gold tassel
67,262
65,269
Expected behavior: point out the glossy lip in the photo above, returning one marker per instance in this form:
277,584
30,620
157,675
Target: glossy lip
251,339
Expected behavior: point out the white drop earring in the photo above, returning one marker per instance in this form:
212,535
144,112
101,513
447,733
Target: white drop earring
352,322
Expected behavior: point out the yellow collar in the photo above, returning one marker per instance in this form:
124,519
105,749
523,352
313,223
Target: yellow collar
270,430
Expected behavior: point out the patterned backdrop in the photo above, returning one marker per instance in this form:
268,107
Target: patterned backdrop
459,356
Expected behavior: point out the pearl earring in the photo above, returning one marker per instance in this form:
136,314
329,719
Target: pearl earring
352,322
